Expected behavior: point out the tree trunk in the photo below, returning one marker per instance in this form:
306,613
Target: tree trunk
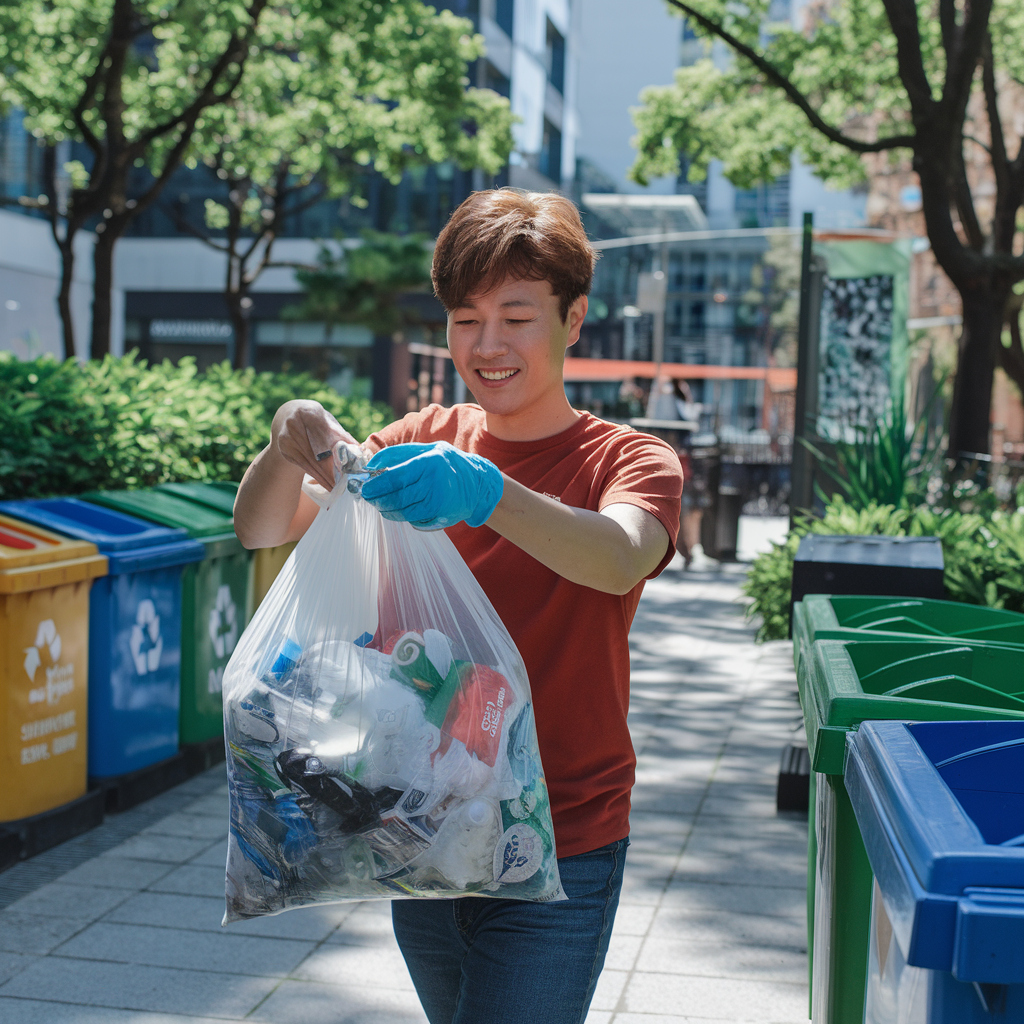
102,285
969,427
240,355
1011,357
67,272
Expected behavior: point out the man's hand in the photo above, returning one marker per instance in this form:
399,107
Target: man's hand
304,433
270,507
433,486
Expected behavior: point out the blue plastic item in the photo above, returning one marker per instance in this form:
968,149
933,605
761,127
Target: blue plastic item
940,806
134,630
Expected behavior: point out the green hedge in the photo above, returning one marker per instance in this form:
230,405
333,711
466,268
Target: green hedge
983,553
69,427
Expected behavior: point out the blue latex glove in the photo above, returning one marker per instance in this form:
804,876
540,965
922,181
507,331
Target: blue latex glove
433,486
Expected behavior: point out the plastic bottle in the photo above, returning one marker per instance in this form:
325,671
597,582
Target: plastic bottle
463,849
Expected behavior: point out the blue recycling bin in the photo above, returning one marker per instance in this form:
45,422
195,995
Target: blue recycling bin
134,630
940,806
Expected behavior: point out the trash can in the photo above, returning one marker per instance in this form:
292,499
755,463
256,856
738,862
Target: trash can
828,617
134,631
215,599
44,635
847,683
220,494
829,564
940,806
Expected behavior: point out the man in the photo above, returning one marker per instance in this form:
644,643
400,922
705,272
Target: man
561,518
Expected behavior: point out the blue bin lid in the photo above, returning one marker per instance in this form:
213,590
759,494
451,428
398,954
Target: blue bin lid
940,806
131,544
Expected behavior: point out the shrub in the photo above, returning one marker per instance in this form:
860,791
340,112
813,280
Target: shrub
67,427
983,554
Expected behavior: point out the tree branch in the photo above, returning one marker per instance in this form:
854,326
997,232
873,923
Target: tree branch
902,15
795,96
184,224
965,203
947,22
78,114
962,61
234,53
1002,232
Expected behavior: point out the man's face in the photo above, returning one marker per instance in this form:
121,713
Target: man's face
508,344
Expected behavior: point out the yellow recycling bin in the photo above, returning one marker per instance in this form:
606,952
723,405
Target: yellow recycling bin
267,564
44,657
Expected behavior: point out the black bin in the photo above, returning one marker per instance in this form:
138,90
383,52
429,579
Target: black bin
883,566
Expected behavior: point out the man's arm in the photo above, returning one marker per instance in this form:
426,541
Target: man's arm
270,507
611,550
435,485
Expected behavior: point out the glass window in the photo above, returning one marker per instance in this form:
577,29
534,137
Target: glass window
495,80
550,162
504,14
554,55
697,276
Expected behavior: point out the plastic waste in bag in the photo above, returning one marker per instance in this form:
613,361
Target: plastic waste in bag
379,726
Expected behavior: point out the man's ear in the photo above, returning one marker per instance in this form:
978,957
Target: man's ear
577,314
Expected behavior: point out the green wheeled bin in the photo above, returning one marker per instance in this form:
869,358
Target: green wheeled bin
216,600
267,562
845,683
828,617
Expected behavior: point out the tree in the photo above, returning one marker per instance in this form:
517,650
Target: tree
920,77
322,103
360,284
130,80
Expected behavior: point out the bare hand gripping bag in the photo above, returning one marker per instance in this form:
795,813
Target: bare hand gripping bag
379,727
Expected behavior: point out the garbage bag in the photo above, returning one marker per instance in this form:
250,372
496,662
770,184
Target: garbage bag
379,727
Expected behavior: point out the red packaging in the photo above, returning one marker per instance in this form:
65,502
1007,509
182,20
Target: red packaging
477,711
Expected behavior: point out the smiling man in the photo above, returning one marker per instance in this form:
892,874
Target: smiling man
561,517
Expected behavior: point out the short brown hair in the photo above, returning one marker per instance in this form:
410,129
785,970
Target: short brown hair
530,236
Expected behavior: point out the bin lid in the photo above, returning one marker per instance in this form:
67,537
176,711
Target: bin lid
847,682
921,616
130,544
167,508
217,494
906,552
940,807
32,558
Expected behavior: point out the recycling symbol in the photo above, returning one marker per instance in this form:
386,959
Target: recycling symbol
46,636
224,623
146,643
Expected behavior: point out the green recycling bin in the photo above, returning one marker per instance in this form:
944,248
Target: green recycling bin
828,617
267,562
216,600
845,683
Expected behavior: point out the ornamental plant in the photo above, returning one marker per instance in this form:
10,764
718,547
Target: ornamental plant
121,423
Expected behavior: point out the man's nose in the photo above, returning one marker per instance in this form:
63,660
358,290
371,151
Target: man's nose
490,342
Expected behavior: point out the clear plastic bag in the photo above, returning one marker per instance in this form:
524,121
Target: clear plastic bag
379,727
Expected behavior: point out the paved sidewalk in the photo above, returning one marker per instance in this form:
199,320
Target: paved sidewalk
122,926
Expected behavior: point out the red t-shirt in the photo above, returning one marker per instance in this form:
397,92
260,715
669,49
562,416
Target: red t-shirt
573,639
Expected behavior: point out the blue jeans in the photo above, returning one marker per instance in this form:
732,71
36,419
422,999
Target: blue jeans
499,961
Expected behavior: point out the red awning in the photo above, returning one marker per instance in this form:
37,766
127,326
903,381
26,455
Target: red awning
581,370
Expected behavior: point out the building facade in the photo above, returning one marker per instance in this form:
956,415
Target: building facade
168,285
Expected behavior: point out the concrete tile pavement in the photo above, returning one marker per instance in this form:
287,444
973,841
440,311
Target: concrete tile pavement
122,926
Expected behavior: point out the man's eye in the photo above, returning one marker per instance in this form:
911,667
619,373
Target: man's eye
518,321
464,323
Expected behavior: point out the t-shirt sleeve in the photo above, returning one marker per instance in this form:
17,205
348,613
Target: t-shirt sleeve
403,431
646,472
